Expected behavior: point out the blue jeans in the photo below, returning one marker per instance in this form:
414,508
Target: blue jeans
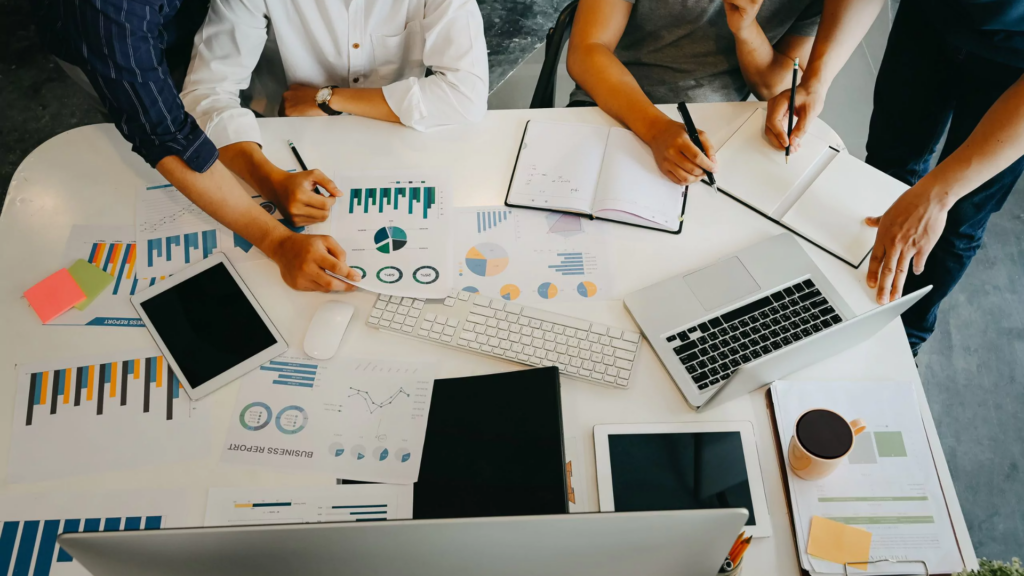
924,86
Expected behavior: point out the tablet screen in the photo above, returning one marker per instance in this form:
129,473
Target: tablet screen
208,325
681,471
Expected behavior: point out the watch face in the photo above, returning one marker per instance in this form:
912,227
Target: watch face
323,95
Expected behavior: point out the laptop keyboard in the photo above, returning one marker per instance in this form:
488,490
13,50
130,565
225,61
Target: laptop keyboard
714,349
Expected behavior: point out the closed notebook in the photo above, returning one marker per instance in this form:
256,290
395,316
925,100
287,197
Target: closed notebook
605,173
822,195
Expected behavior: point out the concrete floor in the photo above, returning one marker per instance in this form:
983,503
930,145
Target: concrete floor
973,368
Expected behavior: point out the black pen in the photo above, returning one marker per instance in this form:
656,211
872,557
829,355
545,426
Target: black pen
691,131
792,106
302,165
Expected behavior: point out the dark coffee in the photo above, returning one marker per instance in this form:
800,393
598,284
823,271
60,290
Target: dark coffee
824,434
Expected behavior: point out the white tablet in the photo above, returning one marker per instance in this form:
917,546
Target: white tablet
692,466
208,325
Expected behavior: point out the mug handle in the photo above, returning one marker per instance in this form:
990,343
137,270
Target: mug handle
858,426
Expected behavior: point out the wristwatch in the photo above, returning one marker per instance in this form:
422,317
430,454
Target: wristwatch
323,98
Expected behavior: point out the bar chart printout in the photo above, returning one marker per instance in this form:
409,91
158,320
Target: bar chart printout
113,250
341,503
171,232
30,525
72,417
395,230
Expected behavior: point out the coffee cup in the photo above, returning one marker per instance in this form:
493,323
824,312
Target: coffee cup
821,439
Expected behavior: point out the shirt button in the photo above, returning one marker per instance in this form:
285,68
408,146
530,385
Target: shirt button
356,45
355,80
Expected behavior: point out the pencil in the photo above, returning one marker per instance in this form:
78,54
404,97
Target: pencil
302,165
792,105
736,544
742,551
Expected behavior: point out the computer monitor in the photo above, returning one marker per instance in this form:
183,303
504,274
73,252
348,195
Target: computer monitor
669,543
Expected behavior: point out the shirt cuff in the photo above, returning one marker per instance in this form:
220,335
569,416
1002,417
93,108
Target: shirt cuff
232,126
406,100
193,147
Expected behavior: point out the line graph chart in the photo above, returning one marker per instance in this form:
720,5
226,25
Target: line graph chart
373,406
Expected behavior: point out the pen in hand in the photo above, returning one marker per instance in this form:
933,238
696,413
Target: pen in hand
792,107
302,165
691,131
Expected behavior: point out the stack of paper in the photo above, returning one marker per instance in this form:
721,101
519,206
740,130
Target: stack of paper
887,485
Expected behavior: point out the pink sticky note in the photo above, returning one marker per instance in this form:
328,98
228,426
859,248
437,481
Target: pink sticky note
55,295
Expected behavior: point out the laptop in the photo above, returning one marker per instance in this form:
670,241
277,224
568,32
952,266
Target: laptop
668,543
749,319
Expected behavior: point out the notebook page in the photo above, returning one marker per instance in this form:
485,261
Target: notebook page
558,166
831,212
631,187
757,174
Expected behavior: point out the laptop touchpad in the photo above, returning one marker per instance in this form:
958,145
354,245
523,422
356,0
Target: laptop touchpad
721,283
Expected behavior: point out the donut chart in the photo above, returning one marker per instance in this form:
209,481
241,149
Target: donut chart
547,290
255,416
291,420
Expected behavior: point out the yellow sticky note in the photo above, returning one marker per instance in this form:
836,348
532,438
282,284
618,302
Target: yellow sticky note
837,542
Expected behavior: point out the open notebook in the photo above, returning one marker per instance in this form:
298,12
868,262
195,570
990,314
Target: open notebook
606,173
822,195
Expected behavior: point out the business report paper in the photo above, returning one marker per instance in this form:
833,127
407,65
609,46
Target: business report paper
31,522
531,256
308,504
113,250
103,412
395,230
887,485
358,419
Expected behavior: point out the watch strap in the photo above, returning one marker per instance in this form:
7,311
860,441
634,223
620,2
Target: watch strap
327,109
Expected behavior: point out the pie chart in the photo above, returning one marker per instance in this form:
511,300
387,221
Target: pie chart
509,292
358,452
586,289
380,453
547,290
486,259
390,239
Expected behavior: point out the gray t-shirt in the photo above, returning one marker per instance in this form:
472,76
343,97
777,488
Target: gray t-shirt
683,50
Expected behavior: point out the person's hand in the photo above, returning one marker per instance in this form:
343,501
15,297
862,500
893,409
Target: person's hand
677,158
296,196
740,14
908,230
303,259
809,102
300,100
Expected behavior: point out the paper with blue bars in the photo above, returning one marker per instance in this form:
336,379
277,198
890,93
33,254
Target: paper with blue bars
30,524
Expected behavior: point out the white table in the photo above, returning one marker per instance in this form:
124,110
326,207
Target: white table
90,176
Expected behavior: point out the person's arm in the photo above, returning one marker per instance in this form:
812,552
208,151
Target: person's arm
456,93
910,227
592,63
302,258
767,69
843,25
228,46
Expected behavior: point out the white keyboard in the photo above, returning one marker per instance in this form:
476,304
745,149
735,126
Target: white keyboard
581,349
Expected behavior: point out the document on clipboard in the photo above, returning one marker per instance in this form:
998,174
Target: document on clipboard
886,485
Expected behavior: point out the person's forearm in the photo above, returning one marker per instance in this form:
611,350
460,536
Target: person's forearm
368,102
843,25
766,71
996,142
595,68
248,161
217,192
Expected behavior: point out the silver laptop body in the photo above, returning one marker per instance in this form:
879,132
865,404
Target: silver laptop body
749,319
670,543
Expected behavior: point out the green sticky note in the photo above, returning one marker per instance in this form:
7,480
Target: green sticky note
90,279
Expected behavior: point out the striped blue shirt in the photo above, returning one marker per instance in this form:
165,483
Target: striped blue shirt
120,45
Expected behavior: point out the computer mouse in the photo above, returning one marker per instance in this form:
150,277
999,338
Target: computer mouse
326,329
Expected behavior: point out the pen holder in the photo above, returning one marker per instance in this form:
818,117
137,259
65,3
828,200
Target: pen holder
733,572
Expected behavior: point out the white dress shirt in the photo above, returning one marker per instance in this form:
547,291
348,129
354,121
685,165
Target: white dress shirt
348,43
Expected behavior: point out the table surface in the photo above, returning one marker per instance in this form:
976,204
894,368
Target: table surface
90,176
